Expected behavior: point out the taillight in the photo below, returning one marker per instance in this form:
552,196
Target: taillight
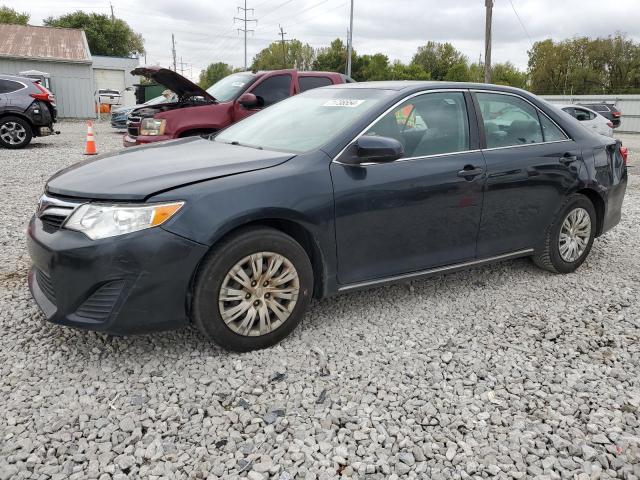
616,114
610,124
624,151
44,95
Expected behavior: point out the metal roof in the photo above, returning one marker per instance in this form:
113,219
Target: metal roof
44,43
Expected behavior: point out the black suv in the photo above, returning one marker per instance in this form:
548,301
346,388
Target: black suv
27,110
607,110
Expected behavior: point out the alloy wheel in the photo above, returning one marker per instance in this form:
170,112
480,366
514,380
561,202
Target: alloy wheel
574,235
12,133
259,294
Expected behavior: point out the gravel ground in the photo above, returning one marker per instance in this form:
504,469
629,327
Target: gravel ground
504,371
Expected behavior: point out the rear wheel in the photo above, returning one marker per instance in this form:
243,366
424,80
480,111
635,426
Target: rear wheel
252,290
569,238
15,132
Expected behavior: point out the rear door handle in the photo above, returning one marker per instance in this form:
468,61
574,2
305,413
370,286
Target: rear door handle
568,158
470,172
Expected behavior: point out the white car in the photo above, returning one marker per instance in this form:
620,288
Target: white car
589,119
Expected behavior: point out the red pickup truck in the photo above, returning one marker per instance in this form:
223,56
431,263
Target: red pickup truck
200,111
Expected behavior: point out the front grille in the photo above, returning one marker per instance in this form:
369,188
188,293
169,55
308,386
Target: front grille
44,282
133,126
53,220
99,305
54,211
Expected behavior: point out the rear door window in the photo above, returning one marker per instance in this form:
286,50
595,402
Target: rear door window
307,83
273,89
584,115
509,120
8,86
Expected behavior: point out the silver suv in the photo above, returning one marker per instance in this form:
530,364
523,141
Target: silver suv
27,110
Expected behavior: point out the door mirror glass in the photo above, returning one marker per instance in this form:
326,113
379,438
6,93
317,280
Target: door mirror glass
370,149
248,100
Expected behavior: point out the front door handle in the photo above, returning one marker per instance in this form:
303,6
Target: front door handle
568,158
469,172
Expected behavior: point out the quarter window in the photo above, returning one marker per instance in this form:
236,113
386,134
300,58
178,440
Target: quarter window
508,120
550,131
430,124
273,89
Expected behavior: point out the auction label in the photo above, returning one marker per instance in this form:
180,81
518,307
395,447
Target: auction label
343,102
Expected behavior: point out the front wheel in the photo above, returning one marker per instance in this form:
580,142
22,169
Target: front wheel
569,238
252,290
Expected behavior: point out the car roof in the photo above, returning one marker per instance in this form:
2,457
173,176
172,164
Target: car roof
410,85
6,76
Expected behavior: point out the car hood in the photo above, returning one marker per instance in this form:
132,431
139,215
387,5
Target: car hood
125,109
175,82
136,173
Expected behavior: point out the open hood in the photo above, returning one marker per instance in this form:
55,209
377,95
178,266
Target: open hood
175,82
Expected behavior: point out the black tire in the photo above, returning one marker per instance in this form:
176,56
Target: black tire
548,256
28,133
211,274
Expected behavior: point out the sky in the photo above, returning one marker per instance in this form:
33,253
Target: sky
205,31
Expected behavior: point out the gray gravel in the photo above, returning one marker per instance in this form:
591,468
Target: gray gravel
505,371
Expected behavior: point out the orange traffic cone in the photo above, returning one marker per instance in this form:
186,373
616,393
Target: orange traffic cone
90,148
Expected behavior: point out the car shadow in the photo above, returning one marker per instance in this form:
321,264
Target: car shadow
324,315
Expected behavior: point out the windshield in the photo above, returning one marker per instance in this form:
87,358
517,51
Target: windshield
230,87
304,122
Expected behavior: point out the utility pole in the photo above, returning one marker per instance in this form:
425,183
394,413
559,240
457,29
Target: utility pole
487,41
173,52
113,18
245,20
350,46
284,51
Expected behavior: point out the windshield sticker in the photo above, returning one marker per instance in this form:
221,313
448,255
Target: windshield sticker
343,102
238,84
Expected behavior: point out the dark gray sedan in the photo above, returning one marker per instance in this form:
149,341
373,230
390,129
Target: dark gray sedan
339,188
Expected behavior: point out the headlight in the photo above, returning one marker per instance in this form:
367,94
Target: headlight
151,126
101,221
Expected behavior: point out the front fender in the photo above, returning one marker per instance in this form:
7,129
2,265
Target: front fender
298,191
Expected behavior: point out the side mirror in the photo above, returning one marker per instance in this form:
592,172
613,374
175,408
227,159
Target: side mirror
373,149
248,100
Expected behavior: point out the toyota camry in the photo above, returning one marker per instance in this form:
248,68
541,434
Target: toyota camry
337,189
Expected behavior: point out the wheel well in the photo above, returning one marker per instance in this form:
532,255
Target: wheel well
598,204
15,114
300,235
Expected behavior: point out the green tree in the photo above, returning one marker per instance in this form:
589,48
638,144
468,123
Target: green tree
458,73
373,67
11,16
332,58
438,58
508,74
213,73
401,71
105,37
294,54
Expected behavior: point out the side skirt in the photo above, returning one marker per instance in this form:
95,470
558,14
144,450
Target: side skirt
434,271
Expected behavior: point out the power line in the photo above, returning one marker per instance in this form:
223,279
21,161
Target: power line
521,24
245,20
